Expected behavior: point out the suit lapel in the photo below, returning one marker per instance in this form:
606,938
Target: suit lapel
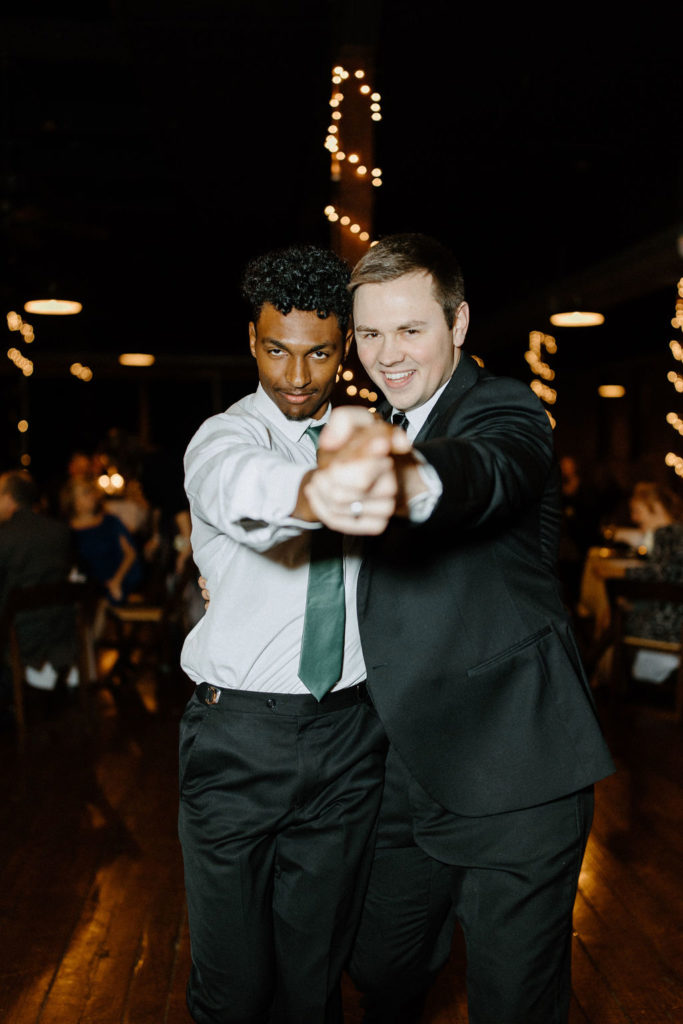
466,375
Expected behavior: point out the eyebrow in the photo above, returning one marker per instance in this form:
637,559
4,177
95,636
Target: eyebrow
285,345
401,327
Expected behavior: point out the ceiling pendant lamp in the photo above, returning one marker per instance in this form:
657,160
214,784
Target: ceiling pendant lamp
53,307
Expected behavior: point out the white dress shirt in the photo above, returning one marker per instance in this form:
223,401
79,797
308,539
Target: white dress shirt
243,469
422,505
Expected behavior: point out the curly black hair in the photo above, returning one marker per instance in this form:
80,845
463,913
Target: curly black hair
300,277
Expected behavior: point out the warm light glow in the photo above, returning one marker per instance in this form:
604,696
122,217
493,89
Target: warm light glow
20,361
365,89
361,169
348,375
14,321
354,229
359,74
22,426
117,481
364,236
328,210
377,182
353,158
611,390
136,359
577,319
545,393
25,460
375,96
377,172
53,307
352,390
345,220
376,117
372,396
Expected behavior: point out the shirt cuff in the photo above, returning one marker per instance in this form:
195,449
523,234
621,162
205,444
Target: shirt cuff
422,505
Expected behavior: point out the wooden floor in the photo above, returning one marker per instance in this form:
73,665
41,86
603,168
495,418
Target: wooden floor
92,917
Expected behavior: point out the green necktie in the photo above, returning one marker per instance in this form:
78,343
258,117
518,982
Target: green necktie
322,642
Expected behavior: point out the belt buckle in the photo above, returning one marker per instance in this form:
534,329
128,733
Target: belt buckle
213,695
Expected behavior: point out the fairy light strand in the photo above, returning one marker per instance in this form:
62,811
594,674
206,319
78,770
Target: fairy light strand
342,81
672,459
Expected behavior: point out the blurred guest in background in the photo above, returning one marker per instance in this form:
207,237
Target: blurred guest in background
579,530
657,540
34,549
658,515
104,548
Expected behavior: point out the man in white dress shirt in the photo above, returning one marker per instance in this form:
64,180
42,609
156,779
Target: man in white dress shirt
279,789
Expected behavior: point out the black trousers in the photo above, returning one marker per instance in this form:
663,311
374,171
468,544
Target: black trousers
278,809
509,878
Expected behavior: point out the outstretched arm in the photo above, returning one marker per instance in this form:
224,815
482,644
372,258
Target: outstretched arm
366,473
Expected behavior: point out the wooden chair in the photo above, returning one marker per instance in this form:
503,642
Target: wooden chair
41,596
130,622
622,593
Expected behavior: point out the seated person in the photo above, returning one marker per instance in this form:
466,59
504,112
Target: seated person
34,549
657,512
103,545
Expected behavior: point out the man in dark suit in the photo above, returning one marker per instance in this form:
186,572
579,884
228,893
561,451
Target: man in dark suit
34,549
470,658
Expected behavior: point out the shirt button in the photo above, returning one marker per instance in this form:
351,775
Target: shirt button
270,703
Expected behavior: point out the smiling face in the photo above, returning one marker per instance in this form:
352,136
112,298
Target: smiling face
403,340
298,356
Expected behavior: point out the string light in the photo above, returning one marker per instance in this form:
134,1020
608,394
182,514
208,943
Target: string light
20,361
341,75
537,342
671,459
83,373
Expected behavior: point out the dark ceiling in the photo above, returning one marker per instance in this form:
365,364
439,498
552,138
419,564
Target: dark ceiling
148,150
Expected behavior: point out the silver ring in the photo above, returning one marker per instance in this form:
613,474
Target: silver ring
356,509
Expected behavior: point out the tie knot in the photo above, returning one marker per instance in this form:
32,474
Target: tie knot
314,434
399,419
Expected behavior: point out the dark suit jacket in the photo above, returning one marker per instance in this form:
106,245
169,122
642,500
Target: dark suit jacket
35,549
471,661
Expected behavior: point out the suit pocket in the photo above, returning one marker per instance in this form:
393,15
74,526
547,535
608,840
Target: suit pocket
191,725
510,652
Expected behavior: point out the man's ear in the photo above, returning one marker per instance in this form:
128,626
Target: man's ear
462,322
252,338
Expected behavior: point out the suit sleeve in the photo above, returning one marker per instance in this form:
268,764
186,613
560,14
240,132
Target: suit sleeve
493,452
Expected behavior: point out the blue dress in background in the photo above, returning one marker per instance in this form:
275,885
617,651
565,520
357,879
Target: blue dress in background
98,549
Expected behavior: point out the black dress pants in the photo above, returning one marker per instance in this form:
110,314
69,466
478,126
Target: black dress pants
278,809
510,879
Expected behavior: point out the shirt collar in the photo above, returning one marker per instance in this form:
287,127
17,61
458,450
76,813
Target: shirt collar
293,429
418,417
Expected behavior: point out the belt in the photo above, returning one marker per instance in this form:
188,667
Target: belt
282,703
